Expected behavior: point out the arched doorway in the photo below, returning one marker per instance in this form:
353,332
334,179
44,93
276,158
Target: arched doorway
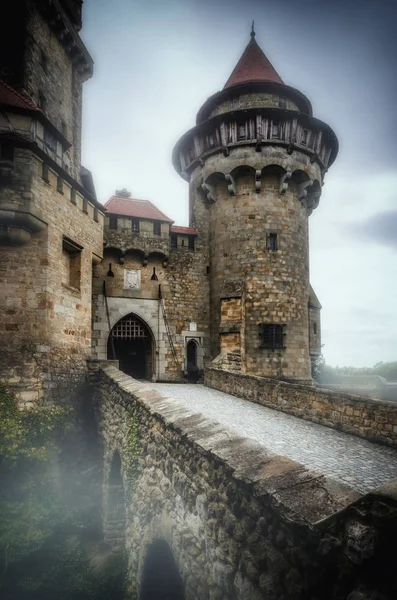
160,578
131,343
191,361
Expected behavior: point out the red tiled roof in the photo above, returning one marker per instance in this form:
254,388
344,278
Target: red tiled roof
11,97
183,230
130,207
252,66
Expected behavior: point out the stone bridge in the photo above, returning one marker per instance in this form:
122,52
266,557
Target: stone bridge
210,510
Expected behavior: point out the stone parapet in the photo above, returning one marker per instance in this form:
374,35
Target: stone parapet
240,521
372,419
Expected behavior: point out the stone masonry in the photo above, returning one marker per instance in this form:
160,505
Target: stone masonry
241,522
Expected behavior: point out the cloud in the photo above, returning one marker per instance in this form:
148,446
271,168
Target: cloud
380,229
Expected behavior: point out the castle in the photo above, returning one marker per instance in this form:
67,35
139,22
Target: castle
80,280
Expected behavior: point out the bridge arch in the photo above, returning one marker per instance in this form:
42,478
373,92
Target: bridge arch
160,578
131,341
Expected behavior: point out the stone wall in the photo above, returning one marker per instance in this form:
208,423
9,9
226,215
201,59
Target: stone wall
375,420
184,291
242,523
272,284
46,325
49,73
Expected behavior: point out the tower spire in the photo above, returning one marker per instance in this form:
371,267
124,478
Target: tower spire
253,65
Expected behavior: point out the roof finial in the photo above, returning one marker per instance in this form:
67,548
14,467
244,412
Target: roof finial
252,30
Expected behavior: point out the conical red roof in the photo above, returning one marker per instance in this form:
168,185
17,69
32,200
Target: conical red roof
253,66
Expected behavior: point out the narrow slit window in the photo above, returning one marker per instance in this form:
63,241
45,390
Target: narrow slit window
154,276
112,222
242,132
315,328
135,225
272,244
305,136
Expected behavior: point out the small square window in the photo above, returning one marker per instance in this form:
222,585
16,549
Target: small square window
112,222
157,228
272,245
272,336
135,225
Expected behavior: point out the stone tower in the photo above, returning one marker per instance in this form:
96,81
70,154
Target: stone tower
51,225
255,162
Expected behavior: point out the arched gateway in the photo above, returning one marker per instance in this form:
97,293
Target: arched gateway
131,343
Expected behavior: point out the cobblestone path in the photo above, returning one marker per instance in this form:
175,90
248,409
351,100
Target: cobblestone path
351,460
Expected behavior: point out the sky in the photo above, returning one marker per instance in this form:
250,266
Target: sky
156,62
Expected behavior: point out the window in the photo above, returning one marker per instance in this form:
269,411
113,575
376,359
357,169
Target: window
315,328
174,241
304,137
182,242
72,263
73,196
242,132
210,140
272,336
64,129
157,228
135,225
191,242
50,141
275,130
272,242
85,206
112,222
282,103
154,276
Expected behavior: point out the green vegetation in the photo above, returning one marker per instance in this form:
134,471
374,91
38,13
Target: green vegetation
324,373
131,450
50,543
